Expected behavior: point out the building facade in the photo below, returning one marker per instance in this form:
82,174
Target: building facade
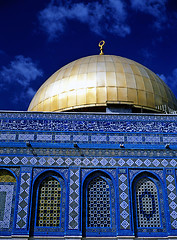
97,175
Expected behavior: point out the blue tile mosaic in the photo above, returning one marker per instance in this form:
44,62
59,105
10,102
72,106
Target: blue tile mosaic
98,138
74,199
23,200
88,161
172,199
124,201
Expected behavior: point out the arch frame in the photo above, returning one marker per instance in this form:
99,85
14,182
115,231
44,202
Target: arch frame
8,169
37,199
156,179
85,181
13,202
53,231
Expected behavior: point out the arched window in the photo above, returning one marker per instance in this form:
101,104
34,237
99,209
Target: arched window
48,215
7,199
147,204
98,207
49,203
98,211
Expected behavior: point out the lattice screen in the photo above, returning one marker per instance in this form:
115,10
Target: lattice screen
148,212
49,203
98,209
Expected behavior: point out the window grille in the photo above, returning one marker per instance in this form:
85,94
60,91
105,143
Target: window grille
49,200
98,200
148,212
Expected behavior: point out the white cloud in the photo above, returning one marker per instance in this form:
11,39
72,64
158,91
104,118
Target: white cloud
162,76
170,80
146,53
17,77
21,70
156,8
24,96
30,92
108,16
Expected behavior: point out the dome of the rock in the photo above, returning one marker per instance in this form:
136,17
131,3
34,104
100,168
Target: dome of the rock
96,82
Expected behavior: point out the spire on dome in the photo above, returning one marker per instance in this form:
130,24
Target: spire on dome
101,44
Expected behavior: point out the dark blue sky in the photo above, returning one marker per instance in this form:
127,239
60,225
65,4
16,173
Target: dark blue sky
37,37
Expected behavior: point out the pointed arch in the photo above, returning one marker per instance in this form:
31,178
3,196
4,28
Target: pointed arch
148,209
147,203
7,176
8,185
49,203
98,205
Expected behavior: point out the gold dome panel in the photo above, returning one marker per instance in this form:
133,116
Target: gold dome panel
100,80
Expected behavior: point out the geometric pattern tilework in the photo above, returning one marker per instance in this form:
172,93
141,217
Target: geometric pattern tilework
98,209
6,194
89,161
172,199
23,200
147,202
74,199
123,201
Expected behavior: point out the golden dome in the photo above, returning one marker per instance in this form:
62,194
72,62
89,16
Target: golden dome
101,80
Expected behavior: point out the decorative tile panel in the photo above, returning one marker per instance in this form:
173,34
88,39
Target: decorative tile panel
133,139
98,138
9,137
116,138
23,200
6,197
26,137
80,138
62,137
172,197
152,139
74,199
44,137
124,201
170,139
